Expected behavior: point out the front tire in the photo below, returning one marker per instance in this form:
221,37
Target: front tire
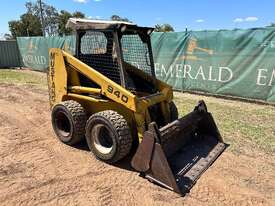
68,121
108,136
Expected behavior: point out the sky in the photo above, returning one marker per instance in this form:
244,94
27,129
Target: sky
193,14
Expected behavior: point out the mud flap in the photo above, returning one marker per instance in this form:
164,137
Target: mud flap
176,155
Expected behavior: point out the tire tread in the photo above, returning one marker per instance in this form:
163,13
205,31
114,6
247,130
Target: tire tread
120,125
79,119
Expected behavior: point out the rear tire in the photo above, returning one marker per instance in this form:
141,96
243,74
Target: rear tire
68,121
108,136
174,114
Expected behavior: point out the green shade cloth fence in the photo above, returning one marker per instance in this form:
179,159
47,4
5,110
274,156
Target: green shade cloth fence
223,62
34,50
9,54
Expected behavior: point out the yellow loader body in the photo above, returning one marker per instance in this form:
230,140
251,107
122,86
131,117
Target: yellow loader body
64,85
108,93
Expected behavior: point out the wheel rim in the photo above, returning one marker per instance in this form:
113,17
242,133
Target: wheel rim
62,123
102,139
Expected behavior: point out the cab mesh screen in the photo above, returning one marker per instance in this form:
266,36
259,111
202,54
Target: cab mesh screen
96,50
136,53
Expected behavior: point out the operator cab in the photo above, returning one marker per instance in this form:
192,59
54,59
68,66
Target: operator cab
119,50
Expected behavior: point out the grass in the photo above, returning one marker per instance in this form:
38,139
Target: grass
23,77
245,126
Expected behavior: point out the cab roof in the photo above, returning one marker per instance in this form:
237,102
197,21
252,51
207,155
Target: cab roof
86,24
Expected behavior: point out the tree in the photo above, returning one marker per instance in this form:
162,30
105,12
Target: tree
15,28
271,25
49,16
54,22
118,18
78,14
164,28
63,17
28,25
62,21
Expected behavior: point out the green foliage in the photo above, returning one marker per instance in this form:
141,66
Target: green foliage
30,22
49,16
78,14
63,18
271,25
118,18
164,28
28,25
54,22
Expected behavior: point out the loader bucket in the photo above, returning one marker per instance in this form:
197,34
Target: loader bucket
176,155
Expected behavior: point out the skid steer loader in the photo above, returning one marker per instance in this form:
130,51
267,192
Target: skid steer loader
107,92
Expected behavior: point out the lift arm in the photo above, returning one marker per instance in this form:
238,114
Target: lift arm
58,80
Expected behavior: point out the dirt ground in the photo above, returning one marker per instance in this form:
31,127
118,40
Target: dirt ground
36,169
